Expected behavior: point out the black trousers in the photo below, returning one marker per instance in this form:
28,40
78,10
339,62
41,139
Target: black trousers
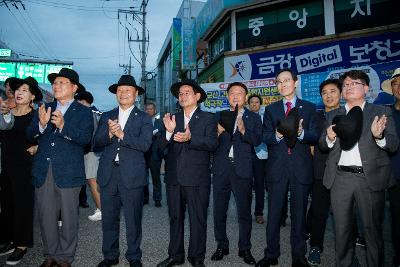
154,166
196,199
394,198
223,185
259,184
318,213
16,201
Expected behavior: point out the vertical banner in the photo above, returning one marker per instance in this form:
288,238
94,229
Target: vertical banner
176,43
188,45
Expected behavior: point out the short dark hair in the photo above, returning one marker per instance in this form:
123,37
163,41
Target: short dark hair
254,95
84,95
335,82
294,75
354,75
237,84
151,104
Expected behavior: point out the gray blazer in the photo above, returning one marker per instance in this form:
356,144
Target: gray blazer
4,125
375,160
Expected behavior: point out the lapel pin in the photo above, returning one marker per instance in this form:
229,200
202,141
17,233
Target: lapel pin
196,117
135,114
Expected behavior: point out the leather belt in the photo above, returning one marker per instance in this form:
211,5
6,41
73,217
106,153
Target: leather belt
352,169
115,163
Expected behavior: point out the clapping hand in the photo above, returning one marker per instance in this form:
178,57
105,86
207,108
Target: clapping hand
169,122
378,126
44,115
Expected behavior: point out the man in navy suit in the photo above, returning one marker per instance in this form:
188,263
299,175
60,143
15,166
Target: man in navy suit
154,157
62,129
233,172
125,134
191,137
285,166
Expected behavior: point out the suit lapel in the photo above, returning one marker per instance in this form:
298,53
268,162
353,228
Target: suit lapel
194,120
132,116
281,109
180,123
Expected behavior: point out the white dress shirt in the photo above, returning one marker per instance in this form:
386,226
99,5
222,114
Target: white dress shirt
123,116
186,119
352,157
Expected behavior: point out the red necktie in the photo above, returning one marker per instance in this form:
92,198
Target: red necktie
288,108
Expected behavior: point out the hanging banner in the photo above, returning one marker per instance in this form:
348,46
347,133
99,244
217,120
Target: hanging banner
176,43
188,45
308,87
314,58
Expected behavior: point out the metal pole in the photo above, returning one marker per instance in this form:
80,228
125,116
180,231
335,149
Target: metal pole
144,40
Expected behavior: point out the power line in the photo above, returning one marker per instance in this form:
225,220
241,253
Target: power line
23,28
75,7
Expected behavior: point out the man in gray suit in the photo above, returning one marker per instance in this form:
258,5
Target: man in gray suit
360,174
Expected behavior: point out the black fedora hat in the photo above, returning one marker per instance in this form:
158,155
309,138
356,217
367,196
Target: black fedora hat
126,80
349,127
15,83
175,88
69,74
227,119
289,126
85,95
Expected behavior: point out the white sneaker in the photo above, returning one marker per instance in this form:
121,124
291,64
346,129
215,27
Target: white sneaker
96,216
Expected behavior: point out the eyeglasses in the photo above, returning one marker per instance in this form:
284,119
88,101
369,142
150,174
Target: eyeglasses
278,82
396,84
186,94
352,84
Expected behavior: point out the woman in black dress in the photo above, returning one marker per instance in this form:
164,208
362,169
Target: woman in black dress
17,192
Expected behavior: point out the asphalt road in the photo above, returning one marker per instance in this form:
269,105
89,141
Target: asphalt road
156,237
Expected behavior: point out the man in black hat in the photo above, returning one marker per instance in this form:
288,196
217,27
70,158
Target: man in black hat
233,171
191,137
289,163
361,172
125,134
61,129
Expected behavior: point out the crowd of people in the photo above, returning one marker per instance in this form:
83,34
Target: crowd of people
343,156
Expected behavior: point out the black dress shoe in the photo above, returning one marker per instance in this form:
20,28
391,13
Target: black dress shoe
157,203
247,257
267,262
219,254
169,262
196,263
108,263
135,263
300,263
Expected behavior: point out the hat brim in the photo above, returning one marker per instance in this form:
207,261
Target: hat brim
113,88
349,127
52,76
16,82
175,90
386,85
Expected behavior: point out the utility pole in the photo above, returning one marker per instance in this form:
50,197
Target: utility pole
144,41
127,68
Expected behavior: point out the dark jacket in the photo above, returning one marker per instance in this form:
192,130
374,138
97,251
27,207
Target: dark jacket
188,164
63,149
138,132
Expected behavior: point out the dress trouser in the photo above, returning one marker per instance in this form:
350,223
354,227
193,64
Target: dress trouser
394,198
51,200
259,184
319,212
277,193
349,188
223,185
114,197
196,198
154,166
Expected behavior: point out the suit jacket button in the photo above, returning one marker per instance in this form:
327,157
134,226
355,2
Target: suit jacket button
52,144
118,149
47,159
